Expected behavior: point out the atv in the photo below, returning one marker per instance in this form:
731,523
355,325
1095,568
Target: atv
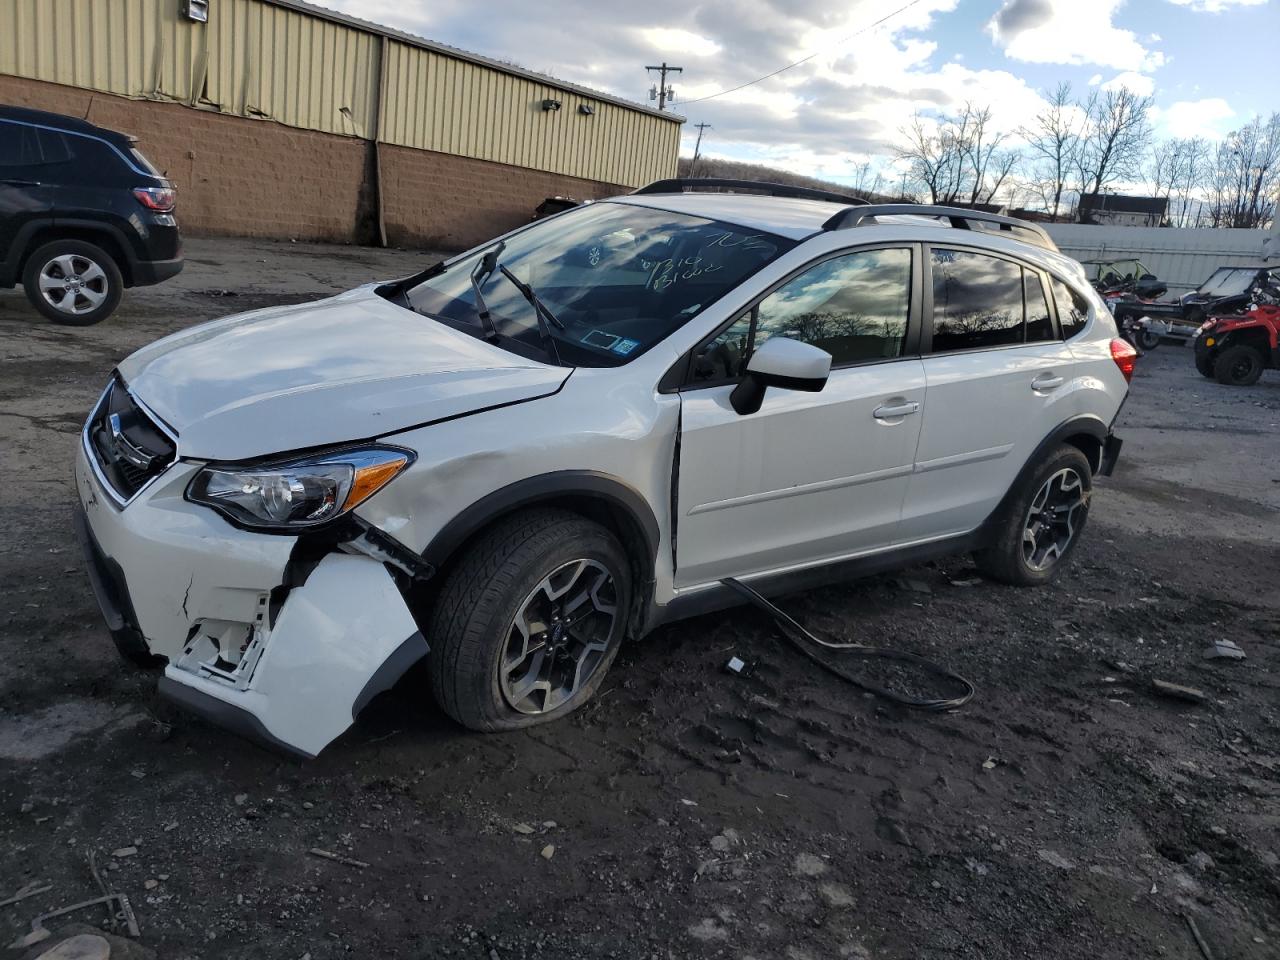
1236,349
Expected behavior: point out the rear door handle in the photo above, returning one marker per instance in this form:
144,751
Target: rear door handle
1047,381
892,411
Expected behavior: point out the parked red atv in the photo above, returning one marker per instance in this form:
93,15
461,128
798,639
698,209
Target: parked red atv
1236,349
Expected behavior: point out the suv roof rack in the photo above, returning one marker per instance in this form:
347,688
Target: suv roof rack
681,184
958,218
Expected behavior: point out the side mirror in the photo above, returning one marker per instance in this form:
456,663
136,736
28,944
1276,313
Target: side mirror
780,362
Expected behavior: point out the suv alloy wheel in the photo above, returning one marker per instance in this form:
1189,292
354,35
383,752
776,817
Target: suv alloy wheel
72,282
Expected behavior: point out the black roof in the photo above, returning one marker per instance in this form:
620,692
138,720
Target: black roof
60,121
1155,206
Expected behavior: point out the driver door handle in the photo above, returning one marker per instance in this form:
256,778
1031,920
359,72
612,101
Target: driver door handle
892,411
1046,381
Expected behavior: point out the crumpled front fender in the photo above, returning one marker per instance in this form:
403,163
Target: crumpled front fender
340,639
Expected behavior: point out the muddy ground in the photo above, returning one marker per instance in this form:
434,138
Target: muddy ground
1068,812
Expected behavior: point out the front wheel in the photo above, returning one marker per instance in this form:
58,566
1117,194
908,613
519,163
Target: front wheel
72,282
1204,367
1042,523
529,621
1239,366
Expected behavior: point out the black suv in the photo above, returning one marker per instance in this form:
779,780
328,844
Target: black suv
83,215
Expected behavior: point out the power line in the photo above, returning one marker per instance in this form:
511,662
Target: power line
888,16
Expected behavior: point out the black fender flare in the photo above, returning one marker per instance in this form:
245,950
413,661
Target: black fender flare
22,243
1086,424
558,485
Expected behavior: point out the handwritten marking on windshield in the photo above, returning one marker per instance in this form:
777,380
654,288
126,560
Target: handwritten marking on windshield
665,273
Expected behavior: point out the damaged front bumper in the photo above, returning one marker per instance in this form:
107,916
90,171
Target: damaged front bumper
290,666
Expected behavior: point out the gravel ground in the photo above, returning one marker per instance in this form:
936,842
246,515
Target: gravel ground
1069,811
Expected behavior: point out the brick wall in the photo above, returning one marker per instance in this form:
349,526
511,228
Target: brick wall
262,179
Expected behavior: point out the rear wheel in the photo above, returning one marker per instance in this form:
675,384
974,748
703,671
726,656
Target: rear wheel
1040,527
72,282
1238,366
529,621
1147,340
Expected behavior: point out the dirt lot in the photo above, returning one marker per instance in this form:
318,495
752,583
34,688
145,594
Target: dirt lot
1068,812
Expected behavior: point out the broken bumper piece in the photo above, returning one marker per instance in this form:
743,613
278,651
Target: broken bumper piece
177,583
340,639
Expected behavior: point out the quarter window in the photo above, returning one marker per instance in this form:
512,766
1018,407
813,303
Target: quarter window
1073,309
980,302
854,306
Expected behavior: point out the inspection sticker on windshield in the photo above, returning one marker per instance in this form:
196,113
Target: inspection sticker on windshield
625,346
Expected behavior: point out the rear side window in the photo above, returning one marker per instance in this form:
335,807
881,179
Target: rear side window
977,301
18,147
55,147
1073,309
980,302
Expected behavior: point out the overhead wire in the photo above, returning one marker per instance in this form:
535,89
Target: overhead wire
802,60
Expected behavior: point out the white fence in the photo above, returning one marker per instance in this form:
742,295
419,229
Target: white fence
1183,259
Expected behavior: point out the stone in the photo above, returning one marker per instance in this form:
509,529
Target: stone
548,851
83,946
1201,862
1177,691
808,865
836,894
523,828
124,852
1055,859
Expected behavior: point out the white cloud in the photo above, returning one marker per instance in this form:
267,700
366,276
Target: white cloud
1216,6
1209,118
671,40
1138,83
1070,32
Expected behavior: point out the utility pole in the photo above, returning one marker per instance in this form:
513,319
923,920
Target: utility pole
697,147
662,93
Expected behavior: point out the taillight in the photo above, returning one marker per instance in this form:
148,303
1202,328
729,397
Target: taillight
1125,356
159,199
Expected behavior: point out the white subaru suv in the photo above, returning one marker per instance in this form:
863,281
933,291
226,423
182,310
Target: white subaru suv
515,460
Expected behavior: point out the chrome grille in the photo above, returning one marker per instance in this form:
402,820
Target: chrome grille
129,446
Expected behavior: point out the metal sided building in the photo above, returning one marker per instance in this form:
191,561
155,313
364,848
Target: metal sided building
280,118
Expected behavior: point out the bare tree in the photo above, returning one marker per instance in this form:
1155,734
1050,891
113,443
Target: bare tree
958,158
1246,175
934,158
1178,170
1115,139
1054,139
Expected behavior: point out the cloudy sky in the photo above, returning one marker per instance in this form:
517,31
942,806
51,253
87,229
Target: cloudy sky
1202,59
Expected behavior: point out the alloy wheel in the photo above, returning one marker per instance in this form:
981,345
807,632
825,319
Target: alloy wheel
73,284
559,637
1052,519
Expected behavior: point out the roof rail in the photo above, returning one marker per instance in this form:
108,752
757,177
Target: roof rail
680,184
957,217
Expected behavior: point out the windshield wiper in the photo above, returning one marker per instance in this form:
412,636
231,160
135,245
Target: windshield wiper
486,265
540,310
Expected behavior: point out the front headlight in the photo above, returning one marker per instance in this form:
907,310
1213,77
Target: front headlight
295,494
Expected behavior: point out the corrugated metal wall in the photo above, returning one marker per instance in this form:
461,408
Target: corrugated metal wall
257,59
1183,259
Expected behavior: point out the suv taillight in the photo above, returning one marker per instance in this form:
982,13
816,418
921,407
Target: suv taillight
1123,353
159,199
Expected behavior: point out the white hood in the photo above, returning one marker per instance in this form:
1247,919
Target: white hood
352,367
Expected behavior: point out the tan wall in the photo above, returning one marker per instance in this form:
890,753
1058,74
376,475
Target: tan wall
260,178
259,59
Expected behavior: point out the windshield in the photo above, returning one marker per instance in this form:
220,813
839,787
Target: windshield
619,277
1228,283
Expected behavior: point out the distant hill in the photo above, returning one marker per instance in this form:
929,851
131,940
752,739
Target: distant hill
708,167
